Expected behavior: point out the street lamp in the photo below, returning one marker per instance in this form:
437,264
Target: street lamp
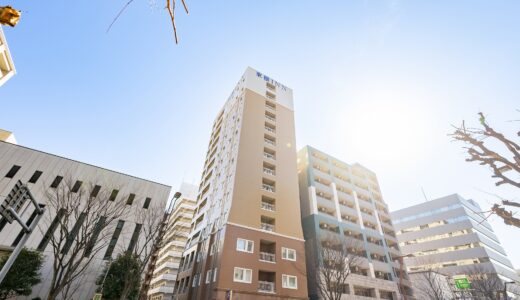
401,264
505,287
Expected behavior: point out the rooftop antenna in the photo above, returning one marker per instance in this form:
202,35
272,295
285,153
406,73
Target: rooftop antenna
424,194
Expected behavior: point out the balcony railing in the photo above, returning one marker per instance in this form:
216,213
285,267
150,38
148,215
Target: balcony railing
270,129
268,188
270,156
269,171
270,142
270,118
269,96
265,256
267,227
270,107
266,286
267,206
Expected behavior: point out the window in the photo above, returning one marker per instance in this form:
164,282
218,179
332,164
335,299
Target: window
147,202
113,195
215,275
194,282
76,186
95,234
288,254
208,276
244,245
56,182
135,237
73,233
130,199
35,176
289,282
50,231
242,275
113,241
13,171
95,191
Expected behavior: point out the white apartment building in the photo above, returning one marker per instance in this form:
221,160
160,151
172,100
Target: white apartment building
42,173
167,266
7,69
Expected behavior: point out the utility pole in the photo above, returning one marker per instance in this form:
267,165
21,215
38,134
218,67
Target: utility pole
9,213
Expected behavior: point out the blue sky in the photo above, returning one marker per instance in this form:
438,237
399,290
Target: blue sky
375,82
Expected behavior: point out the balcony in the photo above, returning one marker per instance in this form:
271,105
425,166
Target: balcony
269,156
270,142
270,129
268,206
266,256
267,187
269,171
271,107
270,96
266,287
270,118
267,227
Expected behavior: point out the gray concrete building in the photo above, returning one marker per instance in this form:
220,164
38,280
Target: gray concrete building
44,174
451,236
344,202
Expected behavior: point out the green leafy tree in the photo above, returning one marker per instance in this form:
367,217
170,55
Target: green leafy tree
23,275
121,278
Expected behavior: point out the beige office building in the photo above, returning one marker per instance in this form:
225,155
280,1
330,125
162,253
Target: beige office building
169,256
246,240
45,173
7,69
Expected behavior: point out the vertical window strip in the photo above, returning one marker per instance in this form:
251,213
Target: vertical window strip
113,241
22,232
95,234
50,231
73,233
135,237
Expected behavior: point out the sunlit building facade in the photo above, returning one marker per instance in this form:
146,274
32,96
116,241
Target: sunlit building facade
343,202
7,69
169,256
246,240
451,236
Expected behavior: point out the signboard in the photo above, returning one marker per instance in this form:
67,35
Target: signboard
97,297
462,283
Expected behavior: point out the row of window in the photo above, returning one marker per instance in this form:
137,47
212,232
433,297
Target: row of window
244,275
76,187
244,245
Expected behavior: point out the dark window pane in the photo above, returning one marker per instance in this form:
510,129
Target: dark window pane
56,182
95,234
113,241
76,186
113,195
22,232
35,176
95,191
130,199
135,237
73,233
13,171
147,202
50,231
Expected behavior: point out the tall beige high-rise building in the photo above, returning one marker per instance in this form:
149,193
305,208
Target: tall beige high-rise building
7,69
169,256
246,240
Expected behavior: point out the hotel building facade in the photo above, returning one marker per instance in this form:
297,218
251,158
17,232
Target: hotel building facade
344,202
246,240
44,173
451,236
169,256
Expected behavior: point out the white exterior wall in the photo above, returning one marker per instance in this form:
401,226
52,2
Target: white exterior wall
31,160
7,69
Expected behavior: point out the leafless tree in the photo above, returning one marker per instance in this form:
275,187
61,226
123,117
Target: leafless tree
170,6
335,260
485,285
432,285
501,154
79,223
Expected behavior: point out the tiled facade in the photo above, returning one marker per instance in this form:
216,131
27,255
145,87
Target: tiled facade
344,201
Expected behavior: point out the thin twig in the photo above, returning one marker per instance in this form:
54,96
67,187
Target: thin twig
119,14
